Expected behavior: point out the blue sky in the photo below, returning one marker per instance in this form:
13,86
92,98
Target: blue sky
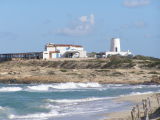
27,25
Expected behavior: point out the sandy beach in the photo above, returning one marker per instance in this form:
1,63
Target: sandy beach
136,99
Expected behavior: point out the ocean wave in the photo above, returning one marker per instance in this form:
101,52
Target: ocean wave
78,100
10,89
143,86
125,86
4,112
2,108
49,106
52,113
137,93
141,93
39,87
70,85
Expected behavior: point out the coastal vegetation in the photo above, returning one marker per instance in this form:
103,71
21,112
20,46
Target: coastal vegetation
115,69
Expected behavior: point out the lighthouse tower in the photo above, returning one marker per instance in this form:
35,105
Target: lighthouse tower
115,45
116,49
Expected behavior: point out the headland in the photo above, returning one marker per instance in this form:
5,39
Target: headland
112,70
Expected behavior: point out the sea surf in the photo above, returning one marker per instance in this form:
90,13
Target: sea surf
65,101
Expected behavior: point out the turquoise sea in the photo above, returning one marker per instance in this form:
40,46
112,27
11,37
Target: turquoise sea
65,101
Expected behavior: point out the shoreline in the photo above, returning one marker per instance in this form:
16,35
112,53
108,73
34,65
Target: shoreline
135,99
39,80
12,81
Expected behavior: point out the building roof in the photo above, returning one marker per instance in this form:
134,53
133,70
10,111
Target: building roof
62,45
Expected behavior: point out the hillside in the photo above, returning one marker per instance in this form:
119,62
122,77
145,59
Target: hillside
135,70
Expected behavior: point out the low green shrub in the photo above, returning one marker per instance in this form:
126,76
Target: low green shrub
153,72
119,61
141,57
63,70
154,64
51,72
102,70
116,74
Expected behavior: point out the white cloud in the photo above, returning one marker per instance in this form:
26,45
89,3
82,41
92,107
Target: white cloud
140,24
136,3
84,26
92,19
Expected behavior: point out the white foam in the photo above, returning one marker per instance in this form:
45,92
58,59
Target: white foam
78,100
141,93
39,87
137,93
49,106
123,86
70,85
4,111
10,89
2,108
52,113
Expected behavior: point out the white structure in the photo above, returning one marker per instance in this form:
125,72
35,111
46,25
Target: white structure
116,48
63,51
115,45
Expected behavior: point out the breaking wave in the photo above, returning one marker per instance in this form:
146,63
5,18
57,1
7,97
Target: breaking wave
35,116
70,85
49,87
78,100
141,93
4,112
127,86
10,89
2,108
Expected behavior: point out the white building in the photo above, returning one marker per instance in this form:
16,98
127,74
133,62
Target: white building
63,51
116,48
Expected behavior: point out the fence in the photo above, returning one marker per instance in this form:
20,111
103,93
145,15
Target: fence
146,108
30,55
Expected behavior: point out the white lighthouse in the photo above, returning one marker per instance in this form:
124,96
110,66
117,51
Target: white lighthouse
115,48
115,45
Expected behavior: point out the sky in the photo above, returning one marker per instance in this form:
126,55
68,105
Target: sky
27,25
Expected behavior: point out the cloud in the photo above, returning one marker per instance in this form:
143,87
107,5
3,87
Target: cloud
83,26
92,19
140,24
136,3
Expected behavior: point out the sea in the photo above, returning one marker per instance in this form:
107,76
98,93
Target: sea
66,101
